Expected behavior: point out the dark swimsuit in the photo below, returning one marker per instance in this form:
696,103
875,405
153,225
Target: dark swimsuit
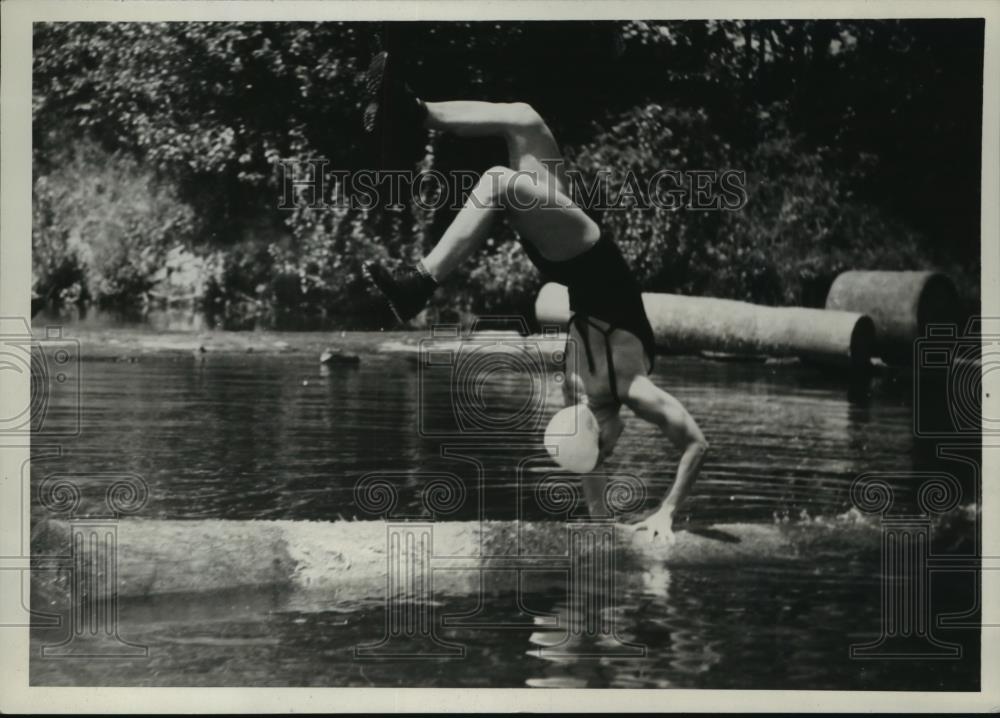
601,286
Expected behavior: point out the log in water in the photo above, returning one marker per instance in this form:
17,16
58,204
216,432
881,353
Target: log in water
350,560
694,324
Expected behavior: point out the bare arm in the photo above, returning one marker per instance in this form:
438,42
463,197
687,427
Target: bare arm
686,436
694,447
660,408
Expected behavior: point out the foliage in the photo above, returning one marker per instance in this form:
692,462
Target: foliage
182,126
103,226
791,236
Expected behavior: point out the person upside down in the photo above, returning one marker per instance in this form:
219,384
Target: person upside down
610,346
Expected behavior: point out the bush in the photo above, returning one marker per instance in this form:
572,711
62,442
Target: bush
103,226
57,272
173,190
801,224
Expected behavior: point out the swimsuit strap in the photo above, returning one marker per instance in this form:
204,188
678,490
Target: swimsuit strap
583,322
612,375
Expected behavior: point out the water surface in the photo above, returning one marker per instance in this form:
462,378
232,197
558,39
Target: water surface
245,436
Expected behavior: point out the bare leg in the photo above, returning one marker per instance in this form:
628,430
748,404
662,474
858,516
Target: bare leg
541,215
468,230
590,386
531,189
530,143
611,426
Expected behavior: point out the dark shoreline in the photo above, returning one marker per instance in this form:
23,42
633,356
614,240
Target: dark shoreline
121,344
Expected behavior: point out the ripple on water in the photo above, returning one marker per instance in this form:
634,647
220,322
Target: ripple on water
243,438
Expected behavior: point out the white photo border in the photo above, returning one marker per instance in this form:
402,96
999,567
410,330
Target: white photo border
16,696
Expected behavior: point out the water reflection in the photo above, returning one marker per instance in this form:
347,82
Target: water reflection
248,436
251,437
598,644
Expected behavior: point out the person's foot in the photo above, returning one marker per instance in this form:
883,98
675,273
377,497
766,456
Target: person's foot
393,116
406,291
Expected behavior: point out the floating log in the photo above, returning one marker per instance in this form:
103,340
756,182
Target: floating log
348,560
901,304
548,349
696,324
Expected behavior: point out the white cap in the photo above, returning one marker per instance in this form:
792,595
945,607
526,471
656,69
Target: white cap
572,439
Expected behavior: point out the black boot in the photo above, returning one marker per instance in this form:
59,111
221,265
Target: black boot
393,117
406,291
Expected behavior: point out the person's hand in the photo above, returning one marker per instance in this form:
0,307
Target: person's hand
659,527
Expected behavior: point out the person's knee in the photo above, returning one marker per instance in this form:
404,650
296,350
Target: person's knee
494,184
523,116
524,127
503,186
525,190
